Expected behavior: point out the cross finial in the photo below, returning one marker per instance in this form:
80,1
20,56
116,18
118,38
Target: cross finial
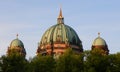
99,34
17,36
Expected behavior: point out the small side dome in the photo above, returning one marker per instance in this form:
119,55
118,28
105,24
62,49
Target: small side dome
99,41
16,46
17,42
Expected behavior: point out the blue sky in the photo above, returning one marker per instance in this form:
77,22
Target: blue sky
31,18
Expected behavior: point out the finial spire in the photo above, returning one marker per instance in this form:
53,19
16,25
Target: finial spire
60,19
17,36
60,14
98,34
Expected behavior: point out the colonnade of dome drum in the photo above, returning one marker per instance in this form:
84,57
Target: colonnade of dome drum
57,39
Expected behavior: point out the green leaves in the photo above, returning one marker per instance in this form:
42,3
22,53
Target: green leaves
69,62
96,61
13,63
89,61
42,64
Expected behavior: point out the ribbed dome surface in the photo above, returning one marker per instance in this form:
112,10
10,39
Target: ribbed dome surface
16,46
16,42
62,33
58,38
99,41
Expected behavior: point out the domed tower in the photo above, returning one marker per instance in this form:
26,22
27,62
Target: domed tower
100,43
16,46
58,38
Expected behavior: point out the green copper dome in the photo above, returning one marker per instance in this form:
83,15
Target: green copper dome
58,38
99,41
17,42
16,46
60,32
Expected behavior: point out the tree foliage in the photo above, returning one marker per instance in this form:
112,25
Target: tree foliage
13,63
42,64
69,62
89,61
96,62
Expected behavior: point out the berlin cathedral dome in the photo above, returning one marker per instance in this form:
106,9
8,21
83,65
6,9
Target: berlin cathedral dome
100,43
58,38
16,46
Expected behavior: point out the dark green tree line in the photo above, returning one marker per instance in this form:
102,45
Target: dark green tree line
42,64
89,61
13,63
69,62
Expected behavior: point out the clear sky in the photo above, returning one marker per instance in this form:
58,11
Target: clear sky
31,18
